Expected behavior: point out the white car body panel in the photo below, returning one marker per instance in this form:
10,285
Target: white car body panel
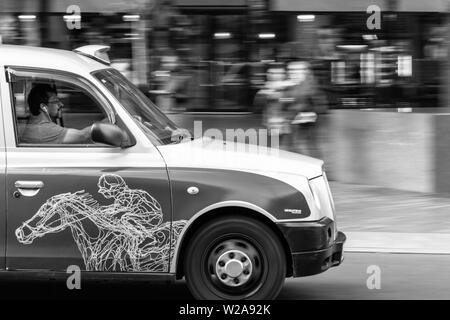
218,154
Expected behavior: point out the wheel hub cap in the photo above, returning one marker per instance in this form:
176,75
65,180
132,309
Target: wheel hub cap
234,268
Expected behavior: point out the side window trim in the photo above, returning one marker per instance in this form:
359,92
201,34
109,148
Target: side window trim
67,77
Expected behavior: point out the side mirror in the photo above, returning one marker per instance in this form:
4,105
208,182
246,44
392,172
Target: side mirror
109,134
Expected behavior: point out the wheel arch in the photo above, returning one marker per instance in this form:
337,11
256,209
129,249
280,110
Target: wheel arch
207,214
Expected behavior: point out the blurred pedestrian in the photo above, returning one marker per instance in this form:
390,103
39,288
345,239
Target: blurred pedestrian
179,86
270,99
304,102
174,85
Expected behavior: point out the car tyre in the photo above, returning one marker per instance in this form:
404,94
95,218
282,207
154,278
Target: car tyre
235,258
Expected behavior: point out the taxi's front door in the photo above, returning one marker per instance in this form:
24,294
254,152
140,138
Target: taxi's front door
97,207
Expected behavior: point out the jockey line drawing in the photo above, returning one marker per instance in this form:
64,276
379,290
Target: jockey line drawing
130,234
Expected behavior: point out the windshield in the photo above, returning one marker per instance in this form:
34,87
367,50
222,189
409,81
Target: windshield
156,125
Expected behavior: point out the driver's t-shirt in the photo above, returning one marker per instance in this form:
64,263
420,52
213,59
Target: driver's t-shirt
41,130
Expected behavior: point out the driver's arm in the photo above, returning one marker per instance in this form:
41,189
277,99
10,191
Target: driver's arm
77,136
80,136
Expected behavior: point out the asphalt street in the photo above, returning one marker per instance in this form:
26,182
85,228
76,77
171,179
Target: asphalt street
402,276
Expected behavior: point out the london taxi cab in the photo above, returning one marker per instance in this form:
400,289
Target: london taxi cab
136,197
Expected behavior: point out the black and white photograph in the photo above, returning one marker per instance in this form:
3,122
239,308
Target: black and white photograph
181,151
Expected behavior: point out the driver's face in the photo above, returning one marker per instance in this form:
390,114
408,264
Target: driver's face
54,105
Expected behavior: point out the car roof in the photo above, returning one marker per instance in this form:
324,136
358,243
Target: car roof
37,57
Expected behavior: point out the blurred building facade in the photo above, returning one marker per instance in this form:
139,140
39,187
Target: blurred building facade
211,55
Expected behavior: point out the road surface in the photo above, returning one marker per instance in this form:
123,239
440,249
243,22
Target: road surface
403,276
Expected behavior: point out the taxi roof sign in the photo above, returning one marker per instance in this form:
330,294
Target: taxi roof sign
96,52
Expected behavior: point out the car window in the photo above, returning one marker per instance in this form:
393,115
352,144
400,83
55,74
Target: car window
155,124
76,105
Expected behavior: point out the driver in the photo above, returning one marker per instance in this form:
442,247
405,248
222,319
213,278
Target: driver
45,107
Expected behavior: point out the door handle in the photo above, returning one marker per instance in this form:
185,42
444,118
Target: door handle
28,188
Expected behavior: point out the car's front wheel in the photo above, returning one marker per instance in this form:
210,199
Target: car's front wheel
235,257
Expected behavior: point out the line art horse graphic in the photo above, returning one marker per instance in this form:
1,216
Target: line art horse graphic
128,235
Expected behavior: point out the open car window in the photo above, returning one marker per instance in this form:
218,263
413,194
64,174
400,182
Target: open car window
81,107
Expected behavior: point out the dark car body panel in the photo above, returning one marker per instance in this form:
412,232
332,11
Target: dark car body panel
57,251
215,186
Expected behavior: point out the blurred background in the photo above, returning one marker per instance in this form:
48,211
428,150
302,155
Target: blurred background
225,47
382,92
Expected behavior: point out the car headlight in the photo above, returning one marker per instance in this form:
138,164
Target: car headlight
315,194
322,196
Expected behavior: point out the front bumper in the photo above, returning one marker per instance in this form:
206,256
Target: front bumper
314,246
314,262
